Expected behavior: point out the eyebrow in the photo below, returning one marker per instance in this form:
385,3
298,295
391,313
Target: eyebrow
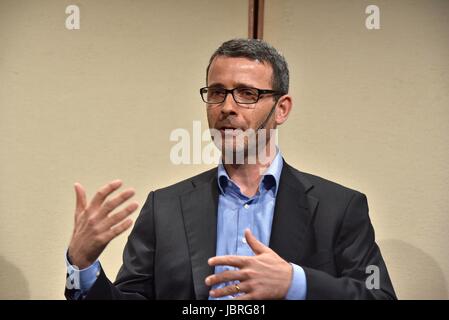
237,85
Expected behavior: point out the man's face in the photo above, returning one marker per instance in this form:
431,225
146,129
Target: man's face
229,73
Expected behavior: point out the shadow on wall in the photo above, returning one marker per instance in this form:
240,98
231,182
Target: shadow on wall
414,273
13,284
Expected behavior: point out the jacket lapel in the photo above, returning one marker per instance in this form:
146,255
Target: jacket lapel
293,214
199,209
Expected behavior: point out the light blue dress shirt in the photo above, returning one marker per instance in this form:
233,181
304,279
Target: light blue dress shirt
236,212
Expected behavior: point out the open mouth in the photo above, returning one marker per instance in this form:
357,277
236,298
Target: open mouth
230,130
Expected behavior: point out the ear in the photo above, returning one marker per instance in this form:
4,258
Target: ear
283,109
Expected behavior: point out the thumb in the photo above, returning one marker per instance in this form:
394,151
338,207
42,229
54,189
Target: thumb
81,201
257,246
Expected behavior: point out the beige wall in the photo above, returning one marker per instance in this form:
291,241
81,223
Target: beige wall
372,112
91,105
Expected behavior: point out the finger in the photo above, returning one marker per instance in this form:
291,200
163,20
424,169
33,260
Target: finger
81,201
105,191
234,261
225,276
257,246
110,205
119,229
119,216
229,290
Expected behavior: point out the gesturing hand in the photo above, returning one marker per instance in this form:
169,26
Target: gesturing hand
263,276
95,224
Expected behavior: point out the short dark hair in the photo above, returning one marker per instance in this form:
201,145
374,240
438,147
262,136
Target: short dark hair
256,49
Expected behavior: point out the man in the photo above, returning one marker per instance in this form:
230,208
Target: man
245,230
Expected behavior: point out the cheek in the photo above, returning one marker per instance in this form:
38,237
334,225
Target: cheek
211,117
255,119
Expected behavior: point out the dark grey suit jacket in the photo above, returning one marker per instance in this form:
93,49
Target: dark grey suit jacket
317,224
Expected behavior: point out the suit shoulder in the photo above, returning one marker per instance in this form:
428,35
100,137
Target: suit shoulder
322,186
187,184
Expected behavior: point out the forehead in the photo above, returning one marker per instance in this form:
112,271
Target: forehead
230,72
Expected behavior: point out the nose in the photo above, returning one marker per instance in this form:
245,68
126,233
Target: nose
229,106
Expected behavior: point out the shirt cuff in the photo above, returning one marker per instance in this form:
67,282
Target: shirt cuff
80,281
298,286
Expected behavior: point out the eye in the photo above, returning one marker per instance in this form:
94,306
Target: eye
247,92
215,92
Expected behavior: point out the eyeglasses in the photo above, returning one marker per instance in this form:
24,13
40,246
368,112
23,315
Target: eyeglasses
241,95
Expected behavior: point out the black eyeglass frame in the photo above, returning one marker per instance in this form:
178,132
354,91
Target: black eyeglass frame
260,92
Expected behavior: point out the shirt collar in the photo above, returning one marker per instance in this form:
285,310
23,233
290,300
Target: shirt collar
270,178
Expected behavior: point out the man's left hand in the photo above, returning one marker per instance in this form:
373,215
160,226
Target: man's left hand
265,276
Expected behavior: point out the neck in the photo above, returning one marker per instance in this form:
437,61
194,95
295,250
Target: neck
248,176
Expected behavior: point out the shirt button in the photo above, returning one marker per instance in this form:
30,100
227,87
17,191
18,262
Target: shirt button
244,240
246,206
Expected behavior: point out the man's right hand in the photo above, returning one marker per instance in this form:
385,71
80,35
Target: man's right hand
96,225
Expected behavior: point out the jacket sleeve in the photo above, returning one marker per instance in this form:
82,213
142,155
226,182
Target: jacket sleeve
356,256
